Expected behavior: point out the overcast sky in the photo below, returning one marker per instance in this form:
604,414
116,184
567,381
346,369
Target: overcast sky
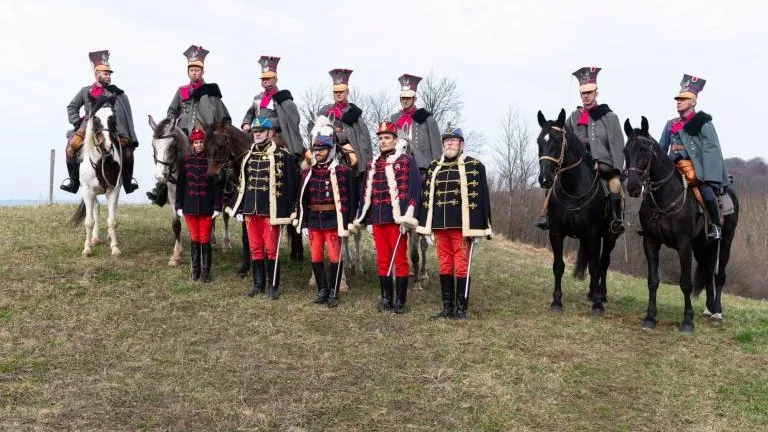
501,53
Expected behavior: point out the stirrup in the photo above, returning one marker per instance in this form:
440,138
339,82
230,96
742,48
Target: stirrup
542,223
714,233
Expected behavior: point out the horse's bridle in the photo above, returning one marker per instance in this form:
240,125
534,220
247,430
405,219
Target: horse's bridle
172,164
559,161
649,187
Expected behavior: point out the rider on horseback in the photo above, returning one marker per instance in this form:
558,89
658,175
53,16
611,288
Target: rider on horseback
693,145
86,98
599,130
197,103
423,133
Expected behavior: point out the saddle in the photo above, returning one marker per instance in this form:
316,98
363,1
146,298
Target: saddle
686,168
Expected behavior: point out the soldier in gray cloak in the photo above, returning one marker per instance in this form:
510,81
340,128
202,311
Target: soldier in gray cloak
279,108
692,142
351,135
197,105
599,130
417,125
101,91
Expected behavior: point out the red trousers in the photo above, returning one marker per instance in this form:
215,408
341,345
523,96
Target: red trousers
199,227
452,252
385,237
328,237
261,235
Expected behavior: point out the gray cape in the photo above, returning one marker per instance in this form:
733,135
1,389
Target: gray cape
603,135
282,111
203,108
123,113
425,144
700,140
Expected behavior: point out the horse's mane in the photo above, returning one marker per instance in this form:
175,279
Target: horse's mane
575,145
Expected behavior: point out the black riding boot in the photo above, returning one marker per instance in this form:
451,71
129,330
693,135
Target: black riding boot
401,289
194,251
713,210
297,247
246,264
207,259
273,278
617,224
72,184
159,195
318,269
259,278
129,183
462,301
447,287
335,278
386,293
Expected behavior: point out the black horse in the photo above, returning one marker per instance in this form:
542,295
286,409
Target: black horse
669,215
577,207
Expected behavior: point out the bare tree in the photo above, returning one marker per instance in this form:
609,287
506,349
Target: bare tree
440,96
515,168
312,100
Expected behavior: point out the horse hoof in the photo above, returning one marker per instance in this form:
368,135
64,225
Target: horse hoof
598,312
174,263
706,312
115,251
649,325
95,241
417,286
686,328
556,309
717,317
86,252
343,288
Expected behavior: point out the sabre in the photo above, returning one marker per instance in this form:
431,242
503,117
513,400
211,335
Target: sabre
277,257
392,261
338,270
469,268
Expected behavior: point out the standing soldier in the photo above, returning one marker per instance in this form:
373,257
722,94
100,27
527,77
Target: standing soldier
85,98
267,192
693,145
198,104
351,131
423,134
599,130
390,202
279,108
198,200
456,207
325,213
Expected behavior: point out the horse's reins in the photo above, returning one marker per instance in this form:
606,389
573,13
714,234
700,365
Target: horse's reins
172,164
560,170
649,186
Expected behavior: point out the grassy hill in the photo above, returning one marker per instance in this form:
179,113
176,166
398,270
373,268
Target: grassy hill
128,344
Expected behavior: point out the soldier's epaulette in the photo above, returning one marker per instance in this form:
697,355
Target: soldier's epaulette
282,96
206,90
694,125
353,113
421,115
115,89
599,111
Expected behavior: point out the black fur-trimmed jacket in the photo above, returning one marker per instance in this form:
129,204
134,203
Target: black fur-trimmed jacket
196,193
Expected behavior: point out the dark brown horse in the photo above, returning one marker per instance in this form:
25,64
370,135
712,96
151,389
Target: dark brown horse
669,215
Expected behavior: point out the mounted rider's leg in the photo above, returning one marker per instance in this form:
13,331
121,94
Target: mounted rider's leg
159,195
129,183
615,196
713,209
74,143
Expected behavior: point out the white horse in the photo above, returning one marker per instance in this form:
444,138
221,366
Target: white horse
100,174
169,145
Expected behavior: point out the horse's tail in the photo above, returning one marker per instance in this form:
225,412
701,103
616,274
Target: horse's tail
581,262
79,215
699,284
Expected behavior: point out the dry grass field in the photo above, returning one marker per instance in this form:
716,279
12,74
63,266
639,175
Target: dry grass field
129,344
